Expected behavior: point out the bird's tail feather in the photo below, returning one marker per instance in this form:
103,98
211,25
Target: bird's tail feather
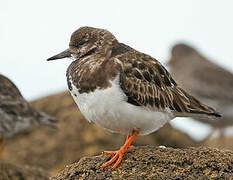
197,109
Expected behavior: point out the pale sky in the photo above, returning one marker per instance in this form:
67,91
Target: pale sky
32,31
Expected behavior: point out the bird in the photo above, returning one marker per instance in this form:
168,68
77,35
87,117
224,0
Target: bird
123,90
209,82
16,114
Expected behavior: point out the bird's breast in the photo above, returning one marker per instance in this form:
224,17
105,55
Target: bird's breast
89,74
95,103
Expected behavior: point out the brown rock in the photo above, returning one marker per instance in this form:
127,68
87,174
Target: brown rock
149,162
13,172
75,137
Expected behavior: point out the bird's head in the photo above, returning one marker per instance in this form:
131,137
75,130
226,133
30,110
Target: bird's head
88,40
179,52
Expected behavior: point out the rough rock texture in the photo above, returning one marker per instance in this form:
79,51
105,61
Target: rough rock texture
13,172
75,137
151,162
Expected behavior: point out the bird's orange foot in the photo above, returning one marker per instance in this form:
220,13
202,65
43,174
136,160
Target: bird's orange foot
118,155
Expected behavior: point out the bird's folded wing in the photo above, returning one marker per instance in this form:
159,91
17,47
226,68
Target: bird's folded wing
17,107
145,81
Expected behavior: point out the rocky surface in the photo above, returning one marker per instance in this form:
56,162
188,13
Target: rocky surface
13,172
150,162
75,137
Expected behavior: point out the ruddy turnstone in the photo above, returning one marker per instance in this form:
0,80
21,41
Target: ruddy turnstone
123,90
16,114
207,81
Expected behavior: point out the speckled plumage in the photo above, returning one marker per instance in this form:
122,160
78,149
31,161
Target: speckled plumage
99,58
123,90
16,114
207,81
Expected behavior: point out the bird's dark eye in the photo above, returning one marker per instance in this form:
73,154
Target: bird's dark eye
80,43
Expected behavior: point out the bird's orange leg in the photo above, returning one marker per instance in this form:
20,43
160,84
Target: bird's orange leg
119,154
114,152
131,146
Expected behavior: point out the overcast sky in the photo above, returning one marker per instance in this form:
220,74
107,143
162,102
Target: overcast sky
32,31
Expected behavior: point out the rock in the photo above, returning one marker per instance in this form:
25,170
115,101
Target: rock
75,137
149,162
13,172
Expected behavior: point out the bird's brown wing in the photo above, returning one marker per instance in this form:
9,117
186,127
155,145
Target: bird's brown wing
147,83
16,108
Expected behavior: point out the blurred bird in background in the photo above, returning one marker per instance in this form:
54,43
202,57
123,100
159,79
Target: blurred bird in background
16,114
207,81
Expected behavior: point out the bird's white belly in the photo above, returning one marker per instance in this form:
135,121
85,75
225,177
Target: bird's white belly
109,109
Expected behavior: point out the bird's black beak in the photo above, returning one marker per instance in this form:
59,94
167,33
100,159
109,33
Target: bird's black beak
64,54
